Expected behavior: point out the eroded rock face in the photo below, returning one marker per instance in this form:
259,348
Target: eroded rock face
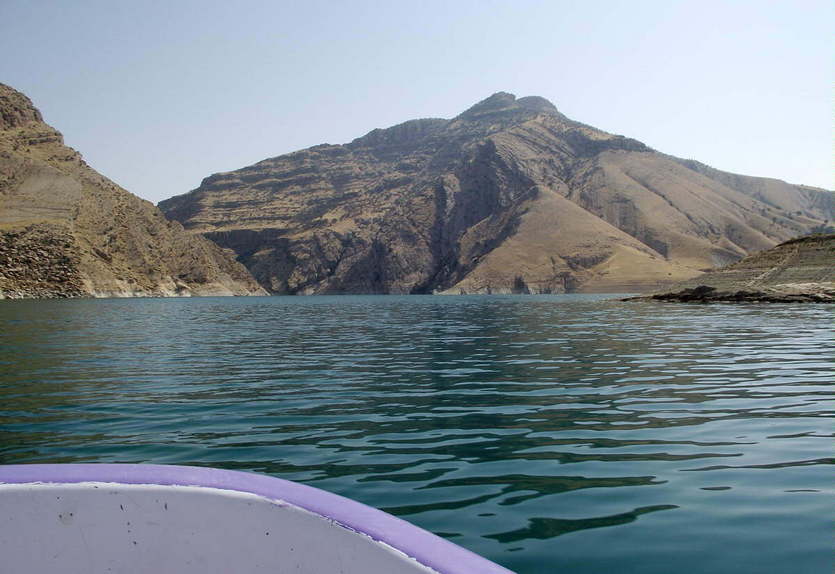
67,231
509,196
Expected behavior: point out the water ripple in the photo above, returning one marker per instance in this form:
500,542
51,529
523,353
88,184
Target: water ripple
553,433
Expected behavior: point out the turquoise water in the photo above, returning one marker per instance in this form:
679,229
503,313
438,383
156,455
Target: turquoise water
549,433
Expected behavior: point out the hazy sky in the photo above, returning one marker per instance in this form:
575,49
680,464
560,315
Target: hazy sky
158,95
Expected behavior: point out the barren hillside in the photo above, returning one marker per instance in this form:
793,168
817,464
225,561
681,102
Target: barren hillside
67,231
509,196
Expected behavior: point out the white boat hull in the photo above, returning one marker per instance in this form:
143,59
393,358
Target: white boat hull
152,519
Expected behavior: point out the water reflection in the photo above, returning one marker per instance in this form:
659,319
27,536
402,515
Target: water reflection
544,528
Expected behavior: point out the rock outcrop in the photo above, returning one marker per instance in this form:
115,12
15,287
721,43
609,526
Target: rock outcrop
799,270
67,231
509,196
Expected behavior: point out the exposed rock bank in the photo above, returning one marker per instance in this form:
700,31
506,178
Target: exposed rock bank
39,261
706,294
798,271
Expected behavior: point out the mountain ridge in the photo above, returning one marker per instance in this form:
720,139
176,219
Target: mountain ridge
508,196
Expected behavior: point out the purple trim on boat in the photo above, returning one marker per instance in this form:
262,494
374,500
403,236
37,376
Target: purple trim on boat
428,549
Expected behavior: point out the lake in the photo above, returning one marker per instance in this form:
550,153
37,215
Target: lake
565,433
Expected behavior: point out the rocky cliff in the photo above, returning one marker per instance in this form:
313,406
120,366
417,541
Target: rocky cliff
509,196
67,231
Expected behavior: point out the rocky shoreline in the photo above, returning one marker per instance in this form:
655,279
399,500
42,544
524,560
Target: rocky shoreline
707,294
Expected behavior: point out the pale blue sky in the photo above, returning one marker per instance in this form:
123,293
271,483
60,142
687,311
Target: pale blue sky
158,95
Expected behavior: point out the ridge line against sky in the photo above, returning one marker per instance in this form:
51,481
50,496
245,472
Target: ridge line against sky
158,95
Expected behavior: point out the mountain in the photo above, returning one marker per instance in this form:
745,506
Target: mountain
67,231
509,196
799,270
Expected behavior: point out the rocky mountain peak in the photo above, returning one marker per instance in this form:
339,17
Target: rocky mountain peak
16,109
504,102
537,103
